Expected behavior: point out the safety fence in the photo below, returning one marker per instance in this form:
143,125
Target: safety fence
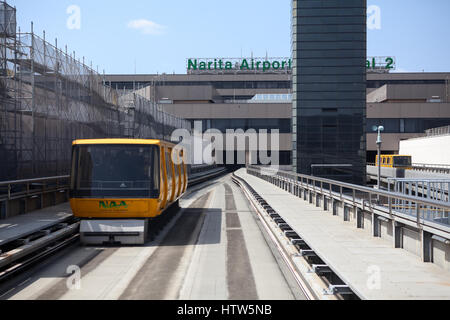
424,212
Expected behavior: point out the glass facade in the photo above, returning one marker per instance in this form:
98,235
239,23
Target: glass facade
329,88
129,85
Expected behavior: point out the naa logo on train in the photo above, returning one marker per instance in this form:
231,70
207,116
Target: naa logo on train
113,205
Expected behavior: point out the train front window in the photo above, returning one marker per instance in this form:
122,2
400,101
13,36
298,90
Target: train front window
116,171
402,161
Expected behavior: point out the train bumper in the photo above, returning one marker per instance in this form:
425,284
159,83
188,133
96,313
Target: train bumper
125,232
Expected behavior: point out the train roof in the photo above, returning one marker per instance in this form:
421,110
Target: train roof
120,141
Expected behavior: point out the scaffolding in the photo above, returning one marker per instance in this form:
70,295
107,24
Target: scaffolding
49,98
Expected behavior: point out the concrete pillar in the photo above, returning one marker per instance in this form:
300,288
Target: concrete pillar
346,213
335,205
359,218
376,226
398,234
427,246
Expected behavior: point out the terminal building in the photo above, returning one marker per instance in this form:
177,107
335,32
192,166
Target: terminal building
406,104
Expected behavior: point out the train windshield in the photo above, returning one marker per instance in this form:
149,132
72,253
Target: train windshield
120,171
402,161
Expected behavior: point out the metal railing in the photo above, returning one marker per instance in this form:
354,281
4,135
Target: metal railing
11,190
363,197
431,189
438,131
431,166
437,168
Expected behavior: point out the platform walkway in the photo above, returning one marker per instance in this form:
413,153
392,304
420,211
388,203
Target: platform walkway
17,227
354,255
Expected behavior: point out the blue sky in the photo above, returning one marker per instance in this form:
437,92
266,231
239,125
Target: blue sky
158,35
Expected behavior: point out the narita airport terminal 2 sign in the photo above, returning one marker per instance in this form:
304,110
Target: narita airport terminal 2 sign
268,65
380,64
239,65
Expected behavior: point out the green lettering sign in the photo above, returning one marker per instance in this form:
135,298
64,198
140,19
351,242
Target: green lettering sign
279,65
244,65
380,63
192,65
112,205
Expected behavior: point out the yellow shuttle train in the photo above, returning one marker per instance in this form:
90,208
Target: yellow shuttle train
119,185
395,161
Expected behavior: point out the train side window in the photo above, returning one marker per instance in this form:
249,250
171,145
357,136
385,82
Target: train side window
162,164
168,166
182,165
176,166
156,170
177,171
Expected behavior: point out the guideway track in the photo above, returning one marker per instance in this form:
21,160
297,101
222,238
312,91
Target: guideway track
212,249
285,239
21,254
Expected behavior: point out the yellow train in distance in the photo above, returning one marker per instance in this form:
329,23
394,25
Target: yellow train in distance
395,161
118,185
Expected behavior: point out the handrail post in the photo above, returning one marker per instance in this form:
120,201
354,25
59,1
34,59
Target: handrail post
418,213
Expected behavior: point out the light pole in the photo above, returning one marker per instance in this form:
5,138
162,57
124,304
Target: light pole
379,142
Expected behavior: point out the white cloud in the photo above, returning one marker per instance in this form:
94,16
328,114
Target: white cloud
147,26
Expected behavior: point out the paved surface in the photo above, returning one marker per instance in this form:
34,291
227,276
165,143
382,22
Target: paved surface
359,259
16,227
213,249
